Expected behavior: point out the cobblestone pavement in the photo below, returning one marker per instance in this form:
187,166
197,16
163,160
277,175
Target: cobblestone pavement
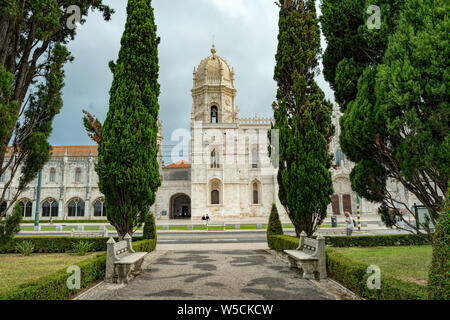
216,275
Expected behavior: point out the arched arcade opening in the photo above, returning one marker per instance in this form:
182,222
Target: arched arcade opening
180,206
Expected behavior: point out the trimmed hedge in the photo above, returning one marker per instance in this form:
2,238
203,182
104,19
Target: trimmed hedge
54,286
376,241
280,243
353,275
56,244
356,241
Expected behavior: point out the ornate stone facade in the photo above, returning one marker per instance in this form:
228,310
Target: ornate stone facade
229,174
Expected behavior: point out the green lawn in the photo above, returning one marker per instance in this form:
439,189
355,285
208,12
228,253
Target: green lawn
16,269
409,263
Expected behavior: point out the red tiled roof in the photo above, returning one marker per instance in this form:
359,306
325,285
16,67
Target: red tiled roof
72,151
178,165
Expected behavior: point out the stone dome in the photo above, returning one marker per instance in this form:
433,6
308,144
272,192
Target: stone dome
213,70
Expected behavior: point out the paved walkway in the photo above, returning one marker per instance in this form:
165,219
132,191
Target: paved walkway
217,275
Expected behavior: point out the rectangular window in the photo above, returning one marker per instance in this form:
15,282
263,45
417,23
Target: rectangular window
3,177
52,175
78,175
335,204
255,158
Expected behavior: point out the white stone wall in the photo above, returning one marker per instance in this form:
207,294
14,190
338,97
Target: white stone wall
64,188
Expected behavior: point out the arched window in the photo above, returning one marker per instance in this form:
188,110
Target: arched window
46,209
254,158
99,208
78,175
50,208
215,160
255,192
214,114
27,208
3,206
215,199
75,208
52,175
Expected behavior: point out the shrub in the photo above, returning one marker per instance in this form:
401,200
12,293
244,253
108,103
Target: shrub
10,225
56,244
281,243
376,241
144,245
82,247
274,226
150,227
439,274
25,247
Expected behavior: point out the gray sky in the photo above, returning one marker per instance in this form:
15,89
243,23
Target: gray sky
245,34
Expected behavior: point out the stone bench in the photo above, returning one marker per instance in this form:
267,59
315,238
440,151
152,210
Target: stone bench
89,234
310,257
122,262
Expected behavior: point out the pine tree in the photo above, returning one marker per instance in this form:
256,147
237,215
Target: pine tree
303,118
392,85
274,227
127,163
150,227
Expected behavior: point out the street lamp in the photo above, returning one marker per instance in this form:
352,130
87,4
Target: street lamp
358,210
38,201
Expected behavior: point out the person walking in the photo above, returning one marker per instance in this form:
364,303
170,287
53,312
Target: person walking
203,220
348,224
207,219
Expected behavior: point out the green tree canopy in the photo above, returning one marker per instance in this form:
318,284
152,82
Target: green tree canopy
395,101
303,118
127,166
33,38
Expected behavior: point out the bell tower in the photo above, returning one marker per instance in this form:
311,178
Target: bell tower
213,93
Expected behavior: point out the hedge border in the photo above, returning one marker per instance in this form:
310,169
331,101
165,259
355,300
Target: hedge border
54,287
57,244
353,275
366,241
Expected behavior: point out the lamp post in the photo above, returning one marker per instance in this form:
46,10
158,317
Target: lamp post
38,201
358,210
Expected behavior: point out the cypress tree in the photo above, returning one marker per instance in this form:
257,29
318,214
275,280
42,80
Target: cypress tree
274,227
303,118
127,163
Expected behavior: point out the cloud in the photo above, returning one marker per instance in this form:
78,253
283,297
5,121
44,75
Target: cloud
245,35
